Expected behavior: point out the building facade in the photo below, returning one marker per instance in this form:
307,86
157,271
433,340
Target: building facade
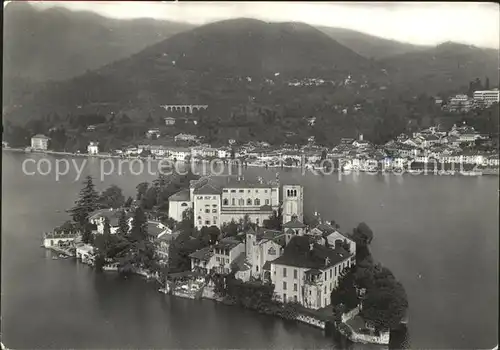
307,272
93,148
40,142
293,203
488,96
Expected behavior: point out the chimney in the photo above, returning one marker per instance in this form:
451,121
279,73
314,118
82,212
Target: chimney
327,261
311,247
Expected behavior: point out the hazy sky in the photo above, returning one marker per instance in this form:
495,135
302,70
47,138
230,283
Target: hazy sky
418,23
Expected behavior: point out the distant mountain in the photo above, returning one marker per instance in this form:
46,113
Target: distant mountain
369,46
444,67
223,62
244,46
57,43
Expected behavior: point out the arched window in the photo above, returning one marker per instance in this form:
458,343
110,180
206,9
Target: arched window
184,205
257,201
225,202
271,251
233,201
241,201
199,217
288,193
249,201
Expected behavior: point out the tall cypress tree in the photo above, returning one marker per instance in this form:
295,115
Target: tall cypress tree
123,227
86,203
139,229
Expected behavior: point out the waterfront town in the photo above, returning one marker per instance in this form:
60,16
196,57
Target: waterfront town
238,241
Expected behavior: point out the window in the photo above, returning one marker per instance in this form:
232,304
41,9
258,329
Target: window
284,297
214,205
295,287
295,298
284,285
267,201
241,191
257,201
325,289
184,205
227,261
295,274
249,191
207,197
241,201
207,205
233,191
249,201
224,191
265,191
271,251
199,222
233,201
214,210
284,272
257,268
256,191
335,271
331,273
326,275
199,217
200,197
225,201
207,210
207,222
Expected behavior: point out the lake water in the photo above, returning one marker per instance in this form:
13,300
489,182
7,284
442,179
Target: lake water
439,235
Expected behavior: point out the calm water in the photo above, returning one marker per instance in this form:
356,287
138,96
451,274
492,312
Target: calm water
443,229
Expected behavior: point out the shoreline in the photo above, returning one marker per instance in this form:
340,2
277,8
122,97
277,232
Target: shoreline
486,171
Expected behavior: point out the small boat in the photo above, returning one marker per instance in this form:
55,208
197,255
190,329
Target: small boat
472,173
55,258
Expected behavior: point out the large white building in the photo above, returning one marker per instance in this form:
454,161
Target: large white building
220,199
308,271
487,96
93,148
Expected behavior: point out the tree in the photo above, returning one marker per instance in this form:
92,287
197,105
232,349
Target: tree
87,237
362,234
86,203
209,235
139,230
141,190
149,199
128,202
229,229
275,220
345,292
385,307
246,223
112,197
123,226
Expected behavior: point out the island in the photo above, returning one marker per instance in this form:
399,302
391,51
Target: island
240,242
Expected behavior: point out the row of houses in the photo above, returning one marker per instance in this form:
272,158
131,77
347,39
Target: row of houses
303,264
